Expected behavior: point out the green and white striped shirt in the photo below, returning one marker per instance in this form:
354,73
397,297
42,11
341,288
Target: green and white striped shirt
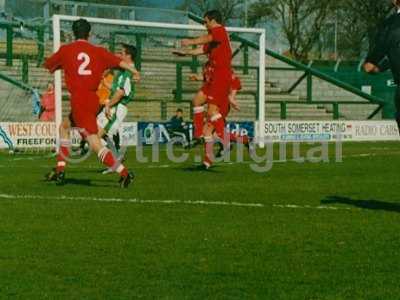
123,81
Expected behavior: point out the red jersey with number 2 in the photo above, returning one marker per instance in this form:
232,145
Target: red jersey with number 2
83,65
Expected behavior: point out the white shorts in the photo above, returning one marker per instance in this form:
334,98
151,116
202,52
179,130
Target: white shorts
111,125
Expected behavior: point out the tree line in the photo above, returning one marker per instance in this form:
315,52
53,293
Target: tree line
305,23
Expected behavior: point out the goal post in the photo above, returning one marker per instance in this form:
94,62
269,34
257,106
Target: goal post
156,26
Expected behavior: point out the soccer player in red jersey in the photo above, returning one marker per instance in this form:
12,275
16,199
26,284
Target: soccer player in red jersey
216,45
84,65
236,86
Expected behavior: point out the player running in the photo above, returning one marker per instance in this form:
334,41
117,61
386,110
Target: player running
236,86
83,65
216,45
121,93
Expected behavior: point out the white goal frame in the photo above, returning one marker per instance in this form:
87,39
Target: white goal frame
259,128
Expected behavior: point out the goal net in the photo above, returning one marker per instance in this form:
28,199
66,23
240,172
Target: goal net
165,82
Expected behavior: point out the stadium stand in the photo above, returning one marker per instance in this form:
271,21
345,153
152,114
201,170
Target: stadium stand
290,93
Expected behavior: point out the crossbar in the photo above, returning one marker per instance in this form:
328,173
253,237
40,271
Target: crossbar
152,24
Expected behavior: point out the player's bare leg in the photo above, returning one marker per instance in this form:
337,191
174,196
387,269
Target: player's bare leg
110,144
198,113
208,145
101,133
107,158
215,123
208,135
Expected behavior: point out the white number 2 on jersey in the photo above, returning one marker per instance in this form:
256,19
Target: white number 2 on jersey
82,68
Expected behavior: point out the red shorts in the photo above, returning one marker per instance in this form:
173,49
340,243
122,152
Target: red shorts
218,89
84,109
224,111
223,105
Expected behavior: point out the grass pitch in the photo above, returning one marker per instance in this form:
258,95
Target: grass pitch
300,231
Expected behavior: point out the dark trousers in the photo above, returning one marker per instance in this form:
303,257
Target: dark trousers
183,130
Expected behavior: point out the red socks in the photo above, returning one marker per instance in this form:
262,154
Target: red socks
219,125
108,159
63,155
198,120
105,156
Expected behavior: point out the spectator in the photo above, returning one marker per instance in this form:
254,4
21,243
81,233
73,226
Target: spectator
178,127
48,104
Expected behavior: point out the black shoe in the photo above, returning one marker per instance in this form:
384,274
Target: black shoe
84,147
220,151
60,178
51,176
124,182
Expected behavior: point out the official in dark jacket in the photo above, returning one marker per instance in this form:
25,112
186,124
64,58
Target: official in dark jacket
178,127
387,48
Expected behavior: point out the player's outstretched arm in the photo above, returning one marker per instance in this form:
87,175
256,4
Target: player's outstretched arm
112,61
132,69
189,52
53,63
201,40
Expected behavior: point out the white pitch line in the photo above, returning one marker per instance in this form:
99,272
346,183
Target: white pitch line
312,207
188,202
139,201
27,158
372,154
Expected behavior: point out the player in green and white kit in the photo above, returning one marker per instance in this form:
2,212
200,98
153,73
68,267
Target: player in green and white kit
122,92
